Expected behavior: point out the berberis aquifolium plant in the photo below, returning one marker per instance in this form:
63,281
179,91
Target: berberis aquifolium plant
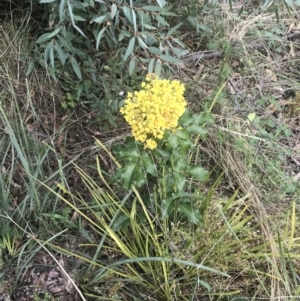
158,155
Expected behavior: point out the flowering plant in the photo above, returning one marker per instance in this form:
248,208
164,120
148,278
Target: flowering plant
158,156
155,108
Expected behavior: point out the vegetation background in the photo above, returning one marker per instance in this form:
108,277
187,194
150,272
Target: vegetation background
86,213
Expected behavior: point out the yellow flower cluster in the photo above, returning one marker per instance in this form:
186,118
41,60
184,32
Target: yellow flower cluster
154,109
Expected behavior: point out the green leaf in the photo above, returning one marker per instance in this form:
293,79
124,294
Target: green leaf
158,67
78,18
151,66
172,141
161,20
131,152
101,19
76,67
114,10
204,27
130,174
61,54
180,164
142,43
131,65
184,134
186,146
197,172
180,181
148,164
186,118
191,213
127,14
30,68
172,30
204,118
121,222
155,50
51,55
46,1
134,20
61,10
153,8
197,129
46,36
167,207
170,59
129,49
99,36
161,3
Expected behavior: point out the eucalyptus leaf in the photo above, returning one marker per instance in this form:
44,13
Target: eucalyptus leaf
131,65
158,67
76,67
99,36
161,20
114,10
129,49
153,8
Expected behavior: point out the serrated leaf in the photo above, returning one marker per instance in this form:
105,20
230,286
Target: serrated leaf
131,174
129,49
76,68
180,164
197,129
114,10
192,214
99,36
180,180
186,146
197,172
172,141
184,134
204,118
131,152
148,164
167,207
161,20
186,118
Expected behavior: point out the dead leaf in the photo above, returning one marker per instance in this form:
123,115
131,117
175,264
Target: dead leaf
272,75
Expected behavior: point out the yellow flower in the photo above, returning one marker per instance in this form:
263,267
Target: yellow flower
155,108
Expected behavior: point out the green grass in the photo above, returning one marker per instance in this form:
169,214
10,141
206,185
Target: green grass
59,208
